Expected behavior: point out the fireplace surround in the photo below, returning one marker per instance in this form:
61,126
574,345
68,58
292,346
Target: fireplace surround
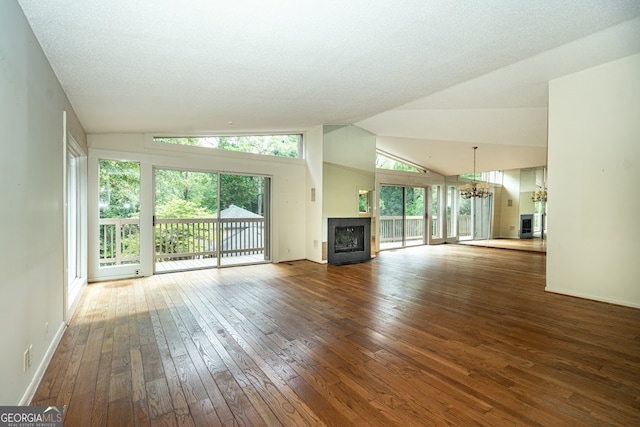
348,240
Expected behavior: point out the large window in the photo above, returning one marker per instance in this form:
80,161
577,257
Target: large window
285,145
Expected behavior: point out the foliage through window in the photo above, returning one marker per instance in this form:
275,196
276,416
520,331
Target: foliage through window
119,204
394,201
385,162
493,177
285,145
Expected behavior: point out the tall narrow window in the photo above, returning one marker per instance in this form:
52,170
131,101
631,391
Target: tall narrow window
76,237
436,218
452,217
119,204
72,218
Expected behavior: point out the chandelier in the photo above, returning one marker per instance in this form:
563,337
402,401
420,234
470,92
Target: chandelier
540,195
475,189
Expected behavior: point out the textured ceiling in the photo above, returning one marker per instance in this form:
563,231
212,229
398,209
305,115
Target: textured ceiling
431,78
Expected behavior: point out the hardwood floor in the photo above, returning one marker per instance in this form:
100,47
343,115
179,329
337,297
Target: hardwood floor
531,245
431,335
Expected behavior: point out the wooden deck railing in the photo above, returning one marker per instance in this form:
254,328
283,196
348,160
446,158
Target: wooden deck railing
464,225
181,239
196,238
119,241
391,227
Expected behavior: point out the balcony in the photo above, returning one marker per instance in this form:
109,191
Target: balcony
391,228
182,244
391,231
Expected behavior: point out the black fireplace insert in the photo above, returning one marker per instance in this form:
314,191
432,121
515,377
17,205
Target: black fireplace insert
348,240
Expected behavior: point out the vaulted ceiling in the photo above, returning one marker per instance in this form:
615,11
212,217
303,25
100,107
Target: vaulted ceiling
431,78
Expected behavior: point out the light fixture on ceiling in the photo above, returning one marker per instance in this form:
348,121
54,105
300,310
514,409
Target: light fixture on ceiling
475,189
540,195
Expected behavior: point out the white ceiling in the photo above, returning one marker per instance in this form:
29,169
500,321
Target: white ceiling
430,78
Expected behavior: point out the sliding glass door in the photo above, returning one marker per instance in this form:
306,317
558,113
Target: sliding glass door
474,218
205,220
402,216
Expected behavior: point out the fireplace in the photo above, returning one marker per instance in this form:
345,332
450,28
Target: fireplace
348,240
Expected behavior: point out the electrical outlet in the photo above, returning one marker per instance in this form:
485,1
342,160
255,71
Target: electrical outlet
137,272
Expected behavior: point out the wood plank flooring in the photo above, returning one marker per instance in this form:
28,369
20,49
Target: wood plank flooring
532,245
431,335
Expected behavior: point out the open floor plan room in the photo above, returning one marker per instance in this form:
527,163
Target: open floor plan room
429,335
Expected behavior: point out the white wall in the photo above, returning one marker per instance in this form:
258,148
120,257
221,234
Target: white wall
31,211
314,159
288,190
341,187
593,248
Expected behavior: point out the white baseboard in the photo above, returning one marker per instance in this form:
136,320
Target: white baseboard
42,367
593,297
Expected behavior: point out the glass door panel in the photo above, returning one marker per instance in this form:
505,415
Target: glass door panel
119,220
436,218
244,225
391,217
482,218
414,216
185,220
465,225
